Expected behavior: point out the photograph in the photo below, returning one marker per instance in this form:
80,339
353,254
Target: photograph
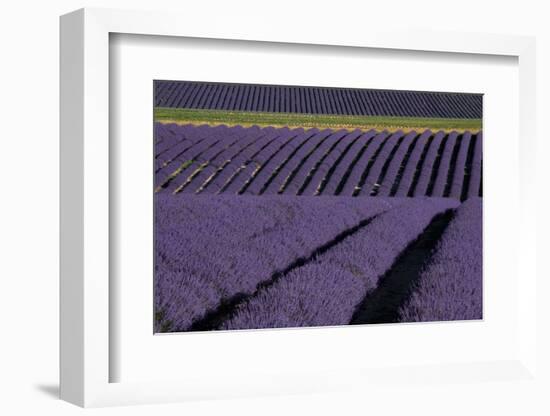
285,206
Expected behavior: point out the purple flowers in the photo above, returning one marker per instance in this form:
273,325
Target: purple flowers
256,161
279,227
450,288
316,100
210,249
327,290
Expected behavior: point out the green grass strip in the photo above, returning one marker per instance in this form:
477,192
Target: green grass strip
244,118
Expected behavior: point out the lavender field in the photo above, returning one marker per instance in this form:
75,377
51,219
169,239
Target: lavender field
269,227
202,159
315,100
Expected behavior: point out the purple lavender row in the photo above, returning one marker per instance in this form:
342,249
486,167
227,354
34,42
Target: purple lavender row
343,163
266,145
276,160
475,177
179,163
450,287
316,100
212,248
360,166
444,164
160,132
327,290
250,138
429,162
283,176
395,164
346,162
227,140
182,162
460,167
371,181
412,164
168,135
249,171
329,162
187,138
307,166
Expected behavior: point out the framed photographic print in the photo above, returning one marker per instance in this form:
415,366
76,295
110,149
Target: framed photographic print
295,212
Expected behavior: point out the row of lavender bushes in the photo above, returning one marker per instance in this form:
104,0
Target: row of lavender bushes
255,161
211,249
316,100
327,290
450,287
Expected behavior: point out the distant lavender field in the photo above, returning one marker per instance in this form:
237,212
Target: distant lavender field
315,100
274,227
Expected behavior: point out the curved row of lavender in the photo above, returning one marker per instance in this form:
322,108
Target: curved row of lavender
328,289
316,100
267,161
450,287
211,250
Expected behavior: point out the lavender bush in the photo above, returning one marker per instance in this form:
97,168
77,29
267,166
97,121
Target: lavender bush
425,177
316,100
413,164
444,164
307,165
450,287
210,249
294,162
395,165
351,183
474,186
254,161
327,290
330,160
343,168
371,180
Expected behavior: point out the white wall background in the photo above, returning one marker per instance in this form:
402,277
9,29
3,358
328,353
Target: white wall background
29,208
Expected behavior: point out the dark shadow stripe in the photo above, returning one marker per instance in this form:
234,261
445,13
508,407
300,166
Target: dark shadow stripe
227,162
420,164
282,165
468,167
399,175
330,172
366,172
452,166
167,163
435,169
227,308
253,176
245,164
384,170
347,174
204,164
171,177
395,287
313,171
299,166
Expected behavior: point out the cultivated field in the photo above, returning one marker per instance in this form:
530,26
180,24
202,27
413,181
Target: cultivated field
300,206
230,262
193,159
316,100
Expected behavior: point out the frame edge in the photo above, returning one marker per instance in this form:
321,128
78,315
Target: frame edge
71,202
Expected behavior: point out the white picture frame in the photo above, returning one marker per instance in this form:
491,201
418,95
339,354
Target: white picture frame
85,207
